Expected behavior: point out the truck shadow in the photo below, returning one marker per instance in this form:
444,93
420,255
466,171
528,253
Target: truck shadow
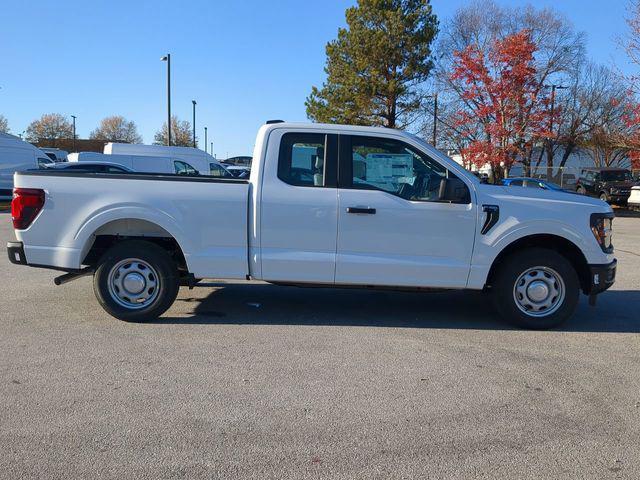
264,304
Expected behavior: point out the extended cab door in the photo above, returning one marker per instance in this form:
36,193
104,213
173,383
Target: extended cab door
299,203
392,229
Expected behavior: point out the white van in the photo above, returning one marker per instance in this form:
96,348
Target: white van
56,154
15,155
204,163
138,163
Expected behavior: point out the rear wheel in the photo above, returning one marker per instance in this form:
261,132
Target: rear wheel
604,197
581,190
136,281
536,288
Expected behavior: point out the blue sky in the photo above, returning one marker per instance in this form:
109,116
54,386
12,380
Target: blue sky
243,61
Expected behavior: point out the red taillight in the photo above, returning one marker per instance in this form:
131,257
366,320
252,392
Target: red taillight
26,204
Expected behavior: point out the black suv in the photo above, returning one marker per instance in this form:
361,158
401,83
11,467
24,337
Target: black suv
613,185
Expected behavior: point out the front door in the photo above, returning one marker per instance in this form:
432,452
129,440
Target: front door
392,228
299,209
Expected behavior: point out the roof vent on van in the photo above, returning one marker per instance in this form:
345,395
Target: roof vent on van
269,122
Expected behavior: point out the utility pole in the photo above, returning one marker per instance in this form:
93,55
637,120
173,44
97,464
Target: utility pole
435,119
74,132
553,88
194,123
205,139
167,58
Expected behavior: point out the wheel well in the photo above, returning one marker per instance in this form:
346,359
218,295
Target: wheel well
561,245
130,229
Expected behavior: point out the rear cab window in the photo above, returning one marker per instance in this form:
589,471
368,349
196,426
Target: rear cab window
308,159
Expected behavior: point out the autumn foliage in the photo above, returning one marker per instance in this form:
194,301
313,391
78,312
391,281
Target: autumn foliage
506,109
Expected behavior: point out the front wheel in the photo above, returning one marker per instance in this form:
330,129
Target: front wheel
536,288
136,281
604,197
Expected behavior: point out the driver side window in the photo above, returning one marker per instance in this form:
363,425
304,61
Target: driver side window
396,168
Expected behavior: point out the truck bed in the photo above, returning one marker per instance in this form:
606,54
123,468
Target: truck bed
207,217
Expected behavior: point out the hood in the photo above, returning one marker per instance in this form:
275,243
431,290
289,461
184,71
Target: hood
539,197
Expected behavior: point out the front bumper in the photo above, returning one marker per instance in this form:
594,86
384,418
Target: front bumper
15,250
602,277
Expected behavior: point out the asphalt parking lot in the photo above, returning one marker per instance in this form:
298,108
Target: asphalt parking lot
256,381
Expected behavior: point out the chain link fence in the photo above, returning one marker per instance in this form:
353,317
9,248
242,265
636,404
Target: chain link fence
566,177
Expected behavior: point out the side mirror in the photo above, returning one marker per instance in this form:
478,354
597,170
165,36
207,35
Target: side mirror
453,190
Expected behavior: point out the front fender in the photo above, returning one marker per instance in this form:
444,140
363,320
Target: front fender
489,246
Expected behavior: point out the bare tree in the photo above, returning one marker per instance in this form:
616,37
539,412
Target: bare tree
181,133
588,109
51,127
560,50
4,124
116,129
632,42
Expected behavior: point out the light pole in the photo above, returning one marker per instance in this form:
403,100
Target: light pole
435,118
194,123
74,132
553,88
212,150
167,58
205,139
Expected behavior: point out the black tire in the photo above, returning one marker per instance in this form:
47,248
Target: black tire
514,266
604,197
165,287
581,191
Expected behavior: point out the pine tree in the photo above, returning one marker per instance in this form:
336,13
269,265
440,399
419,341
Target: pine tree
377,66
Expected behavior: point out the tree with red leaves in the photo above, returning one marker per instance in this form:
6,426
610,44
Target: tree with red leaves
506,110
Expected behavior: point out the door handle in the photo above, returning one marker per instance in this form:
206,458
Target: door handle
367,211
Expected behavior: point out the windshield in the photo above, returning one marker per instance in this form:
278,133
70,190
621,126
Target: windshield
616,176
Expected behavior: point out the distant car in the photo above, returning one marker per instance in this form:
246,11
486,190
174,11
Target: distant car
532,183
89,167
634,199
613,185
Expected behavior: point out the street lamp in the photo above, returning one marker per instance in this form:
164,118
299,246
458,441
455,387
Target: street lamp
194,123
74,132
205,139
212,150
167,58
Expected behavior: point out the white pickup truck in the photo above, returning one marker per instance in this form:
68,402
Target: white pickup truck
325,205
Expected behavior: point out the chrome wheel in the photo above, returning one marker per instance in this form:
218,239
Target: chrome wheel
133,283
539,291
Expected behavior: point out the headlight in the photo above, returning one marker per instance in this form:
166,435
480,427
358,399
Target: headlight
601,226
